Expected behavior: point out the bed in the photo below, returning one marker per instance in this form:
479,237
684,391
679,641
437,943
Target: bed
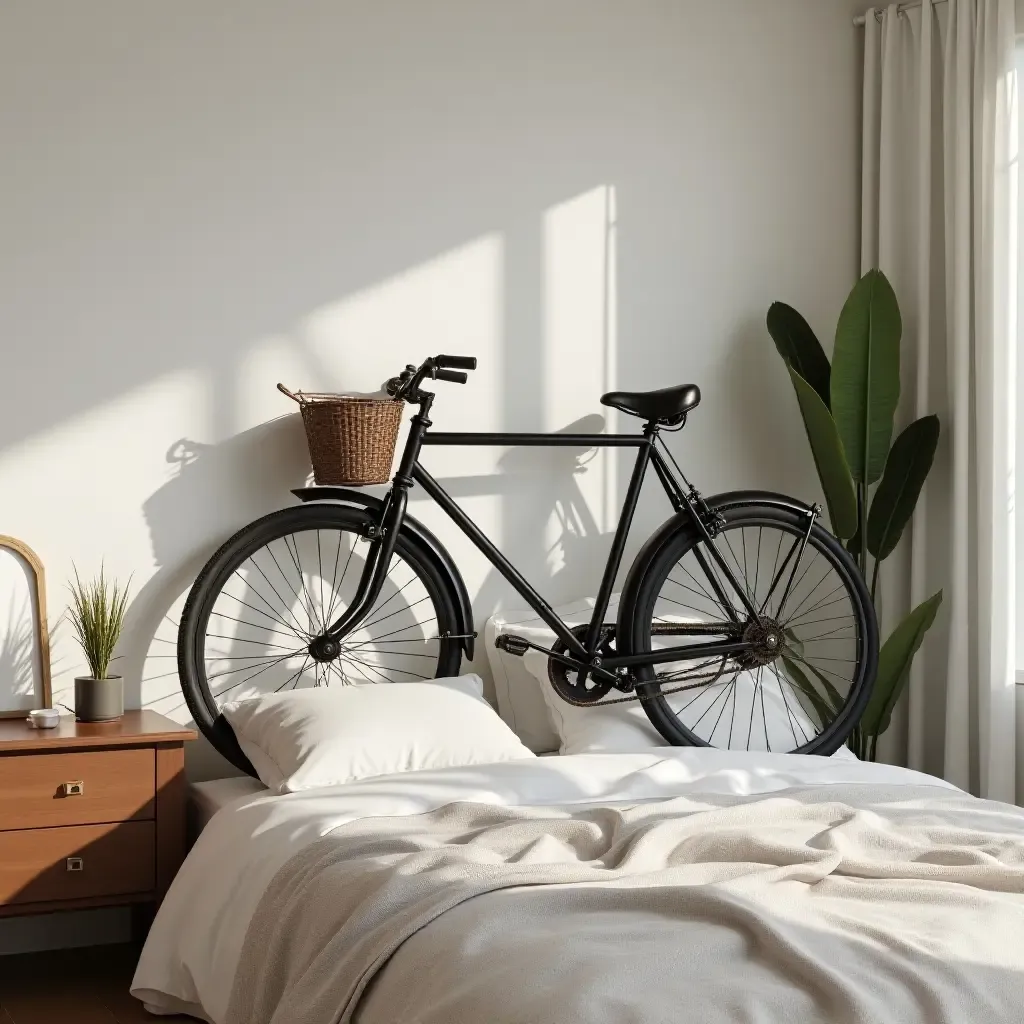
404,857
205,799
775,887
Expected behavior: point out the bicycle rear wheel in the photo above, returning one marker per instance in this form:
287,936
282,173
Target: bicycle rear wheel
251,618
803,694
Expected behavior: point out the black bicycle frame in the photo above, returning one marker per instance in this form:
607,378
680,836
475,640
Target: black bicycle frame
384,536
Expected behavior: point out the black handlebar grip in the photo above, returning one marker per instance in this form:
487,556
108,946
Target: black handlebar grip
456,362
451,375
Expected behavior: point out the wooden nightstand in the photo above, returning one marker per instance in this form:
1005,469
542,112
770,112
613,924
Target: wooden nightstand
91,815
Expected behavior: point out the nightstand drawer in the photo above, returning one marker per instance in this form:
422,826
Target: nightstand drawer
38,865
79,788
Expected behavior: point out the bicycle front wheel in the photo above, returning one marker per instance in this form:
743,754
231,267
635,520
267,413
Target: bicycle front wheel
251,618
805,683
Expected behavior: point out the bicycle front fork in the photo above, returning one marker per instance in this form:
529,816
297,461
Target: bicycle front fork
383,536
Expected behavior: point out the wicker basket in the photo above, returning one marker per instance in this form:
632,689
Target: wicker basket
351,440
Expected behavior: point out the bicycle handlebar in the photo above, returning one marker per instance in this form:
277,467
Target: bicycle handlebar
451,375
456,363
406,386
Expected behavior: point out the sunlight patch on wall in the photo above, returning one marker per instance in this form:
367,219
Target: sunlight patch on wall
80,478
580,357
77,494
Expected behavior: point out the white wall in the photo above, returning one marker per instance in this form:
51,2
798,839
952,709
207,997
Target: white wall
199,200
1020,416
1019,520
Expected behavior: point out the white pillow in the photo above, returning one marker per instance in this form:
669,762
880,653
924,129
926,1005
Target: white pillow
619,728
325,736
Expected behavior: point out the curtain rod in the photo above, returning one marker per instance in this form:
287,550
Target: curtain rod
861,19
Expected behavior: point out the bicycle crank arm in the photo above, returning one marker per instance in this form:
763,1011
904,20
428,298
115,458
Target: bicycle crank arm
518,646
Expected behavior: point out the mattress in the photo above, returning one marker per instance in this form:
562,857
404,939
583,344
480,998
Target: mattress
207,798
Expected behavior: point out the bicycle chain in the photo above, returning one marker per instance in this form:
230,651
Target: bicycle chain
711,629
642,697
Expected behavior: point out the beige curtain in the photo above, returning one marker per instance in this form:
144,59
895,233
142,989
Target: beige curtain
939,95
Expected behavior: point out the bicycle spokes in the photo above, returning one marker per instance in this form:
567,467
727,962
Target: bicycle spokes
266,628
802,653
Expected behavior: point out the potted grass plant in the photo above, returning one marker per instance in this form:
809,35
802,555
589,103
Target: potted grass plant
870,482
97,618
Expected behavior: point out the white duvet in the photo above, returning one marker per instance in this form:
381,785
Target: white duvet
189,961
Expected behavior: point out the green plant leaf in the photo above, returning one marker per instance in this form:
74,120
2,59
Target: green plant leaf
829,460
865,383
825,713
853,545
894,661
793,644
906,469
833,696
799,347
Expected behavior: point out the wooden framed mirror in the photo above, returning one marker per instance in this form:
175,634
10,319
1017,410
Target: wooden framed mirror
24,634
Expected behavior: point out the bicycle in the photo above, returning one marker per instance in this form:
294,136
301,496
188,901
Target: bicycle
286,585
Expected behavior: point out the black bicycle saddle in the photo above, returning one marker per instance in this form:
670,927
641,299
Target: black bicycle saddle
664,406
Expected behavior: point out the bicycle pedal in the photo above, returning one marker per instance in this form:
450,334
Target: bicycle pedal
512,644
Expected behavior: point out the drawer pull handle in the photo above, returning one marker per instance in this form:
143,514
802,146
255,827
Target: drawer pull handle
73,788
76,864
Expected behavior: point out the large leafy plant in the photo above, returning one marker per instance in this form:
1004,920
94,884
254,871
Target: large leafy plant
871,483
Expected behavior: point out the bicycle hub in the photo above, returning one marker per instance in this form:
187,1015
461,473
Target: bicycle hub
324,649
766,639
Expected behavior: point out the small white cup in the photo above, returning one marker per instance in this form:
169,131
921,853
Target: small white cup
43,718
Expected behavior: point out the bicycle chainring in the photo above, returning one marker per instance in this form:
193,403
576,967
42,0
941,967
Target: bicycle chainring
562,677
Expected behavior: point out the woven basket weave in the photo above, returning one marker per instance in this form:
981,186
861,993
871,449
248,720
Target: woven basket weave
351,440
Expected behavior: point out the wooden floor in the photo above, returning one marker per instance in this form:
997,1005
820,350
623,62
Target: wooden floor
73,986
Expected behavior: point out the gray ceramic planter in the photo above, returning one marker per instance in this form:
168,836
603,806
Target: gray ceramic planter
99,700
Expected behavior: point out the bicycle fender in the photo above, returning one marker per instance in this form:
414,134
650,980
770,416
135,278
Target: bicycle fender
682,521
431,545
770,498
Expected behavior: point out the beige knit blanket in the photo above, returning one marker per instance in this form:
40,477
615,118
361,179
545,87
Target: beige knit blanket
838,905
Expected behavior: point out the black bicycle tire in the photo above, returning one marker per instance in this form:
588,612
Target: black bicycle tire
210,581
679,544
